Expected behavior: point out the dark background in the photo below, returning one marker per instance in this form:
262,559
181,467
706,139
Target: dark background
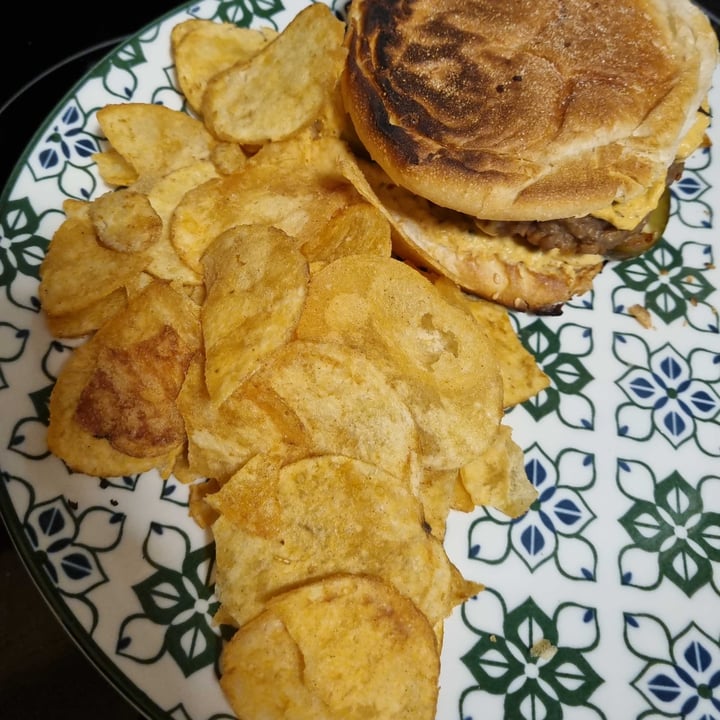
44,49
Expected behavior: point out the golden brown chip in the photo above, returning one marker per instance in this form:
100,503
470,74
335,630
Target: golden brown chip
440,492
181,29
256,281
432,353
198,508
343,648
164,261
137,284
76,209
114,169
124,386
154,139
344,404
324,515
125,221
333,119
77,271
222,438
86,320
203,48
228,157
357,228
79,449
296,186
281,88
262,673
130,397
522,377
498,478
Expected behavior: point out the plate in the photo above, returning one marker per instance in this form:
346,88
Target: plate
600,602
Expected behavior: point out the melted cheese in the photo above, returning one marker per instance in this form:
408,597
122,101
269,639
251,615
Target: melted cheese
696,135
627,215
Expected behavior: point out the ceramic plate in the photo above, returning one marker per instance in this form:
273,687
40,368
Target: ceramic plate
615,568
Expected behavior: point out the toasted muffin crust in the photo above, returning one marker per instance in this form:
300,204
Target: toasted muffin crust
525,110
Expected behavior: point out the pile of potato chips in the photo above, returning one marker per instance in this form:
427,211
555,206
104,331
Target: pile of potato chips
247,329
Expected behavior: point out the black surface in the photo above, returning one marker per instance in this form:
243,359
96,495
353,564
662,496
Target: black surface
44,50
712,10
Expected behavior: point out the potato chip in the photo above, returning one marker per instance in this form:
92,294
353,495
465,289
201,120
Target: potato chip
222,438
154,139
198,508
137,284
281,88
114,169
129,398
112,409
320,516
332,120
262,673
344,404
498,478
125,221
433,353
356,228
440,492
343,648
164,196
228,157
203,48
182,29
295,186
86,320
195,292
77,271
78,449
256,283
75,209
522,377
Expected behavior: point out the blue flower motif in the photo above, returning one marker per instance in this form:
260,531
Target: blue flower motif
685,684
558,511
676,403
687,194
557,517
65,544
66,142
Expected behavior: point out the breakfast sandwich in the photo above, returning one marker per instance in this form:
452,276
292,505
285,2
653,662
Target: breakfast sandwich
537,140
